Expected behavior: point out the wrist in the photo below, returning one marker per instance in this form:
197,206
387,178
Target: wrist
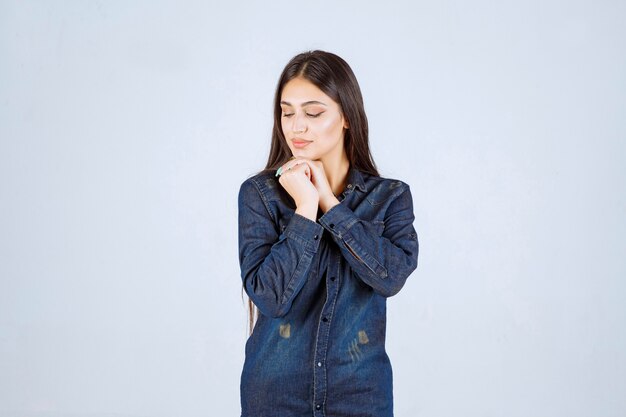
308,202
307,210
328,202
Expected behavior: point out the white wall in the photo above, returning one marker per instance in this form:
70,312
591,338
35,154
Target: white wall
126,128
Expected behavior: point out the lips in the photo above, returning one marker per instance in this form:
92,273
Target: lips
300,143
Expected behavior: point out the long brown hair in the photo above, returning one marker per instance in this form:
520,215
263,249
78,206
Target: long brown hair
331,74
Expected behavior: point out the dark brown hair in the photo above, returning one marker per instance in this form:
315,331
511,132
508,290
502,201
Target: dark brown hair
331,74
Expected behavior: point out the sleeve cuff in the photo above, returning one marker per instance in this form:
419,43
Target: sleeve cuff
304,230
338,220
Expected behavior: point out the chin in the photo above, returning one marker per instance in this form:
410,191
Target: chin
303,153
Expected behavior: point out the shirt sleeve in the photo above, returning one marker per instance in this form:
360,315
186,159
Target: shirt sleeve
383,261
274,267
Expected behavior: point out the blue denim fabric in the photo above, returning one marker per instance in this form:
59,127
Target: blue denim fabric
318,346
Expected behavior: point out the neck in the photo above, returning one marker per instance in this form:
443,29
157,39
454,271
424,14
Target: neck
337,172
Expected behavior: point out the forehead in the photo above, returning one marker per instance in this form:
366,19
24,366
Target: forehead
300,91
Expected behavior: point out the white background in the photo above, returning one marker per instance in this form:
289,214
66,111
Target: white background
126,128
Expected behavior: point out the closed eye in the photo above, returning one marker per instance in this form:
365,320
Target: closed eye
310,115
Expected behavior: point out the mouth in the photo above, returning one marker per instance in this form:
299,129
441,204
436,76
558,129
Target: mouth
300,143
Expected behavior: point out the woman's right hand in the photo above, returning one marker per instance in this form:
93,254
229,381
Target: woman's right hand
295,179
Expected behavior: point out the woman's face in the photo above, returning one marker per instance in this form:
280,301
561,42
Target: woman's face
312,122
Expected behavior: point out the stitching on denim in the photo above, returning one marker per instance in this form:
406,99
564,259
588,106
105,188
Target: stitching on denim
332,314
292,279
296,237
351,223
332,311
337,231
369,258
401,188
314,373
261,190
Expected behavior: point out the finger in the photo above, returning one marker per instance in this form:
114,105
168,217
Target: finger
293,168
291,164
284,167
302,167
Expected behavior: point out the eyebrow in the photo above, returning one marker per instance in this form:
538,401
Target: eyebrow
306,103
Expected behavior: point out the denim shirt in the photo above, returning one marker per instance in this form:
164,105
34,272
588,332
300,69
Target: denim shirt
318,345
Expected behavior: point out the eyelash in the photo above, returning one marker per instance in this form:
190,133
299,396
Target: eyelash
310,115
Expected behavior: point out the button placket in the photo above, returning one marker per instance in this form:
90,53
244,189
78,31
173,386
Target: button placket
323,335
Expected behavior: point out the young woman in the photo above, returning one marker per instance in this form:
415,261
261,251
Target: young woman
323,242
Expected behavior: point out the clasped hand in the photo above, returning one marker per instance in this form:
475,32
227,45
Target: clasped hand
306,182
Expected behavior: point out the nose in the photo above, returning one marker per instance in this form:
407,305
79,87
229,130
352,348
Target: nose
299,124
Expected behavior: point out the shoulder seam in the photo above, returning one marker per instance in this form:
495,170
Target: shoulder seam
256,185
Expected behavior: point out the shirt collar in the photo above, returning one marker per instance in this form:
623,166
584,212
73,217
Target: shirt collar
355,177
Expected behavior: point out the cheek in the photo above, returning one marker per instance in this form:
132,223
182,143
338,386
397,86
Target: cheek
329,126
333,131
286,135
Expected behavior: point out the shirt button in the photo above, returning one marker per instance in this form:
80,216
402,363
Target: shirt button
319,364
349,185
317,407
324,319
332,278
315,237
332,225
